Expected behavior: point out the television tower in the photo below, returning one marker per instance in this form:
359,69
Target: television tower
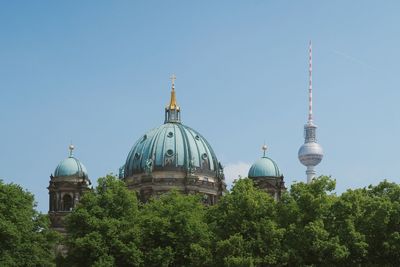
310,153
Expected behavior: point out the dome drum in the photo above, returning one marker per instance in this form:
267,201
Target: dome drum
206,183
167,180
148,187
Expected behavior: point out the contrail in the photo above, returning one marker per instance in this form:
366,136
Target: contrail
355,60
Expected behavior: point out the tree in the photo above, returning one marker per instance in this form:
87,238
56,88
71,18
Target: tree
343,220
25,238
309,226
304,212
175,232
367,222
246,229
377,219
103,229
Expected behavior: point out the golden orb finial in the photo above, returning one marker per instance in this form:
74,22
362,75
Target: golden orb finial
71,149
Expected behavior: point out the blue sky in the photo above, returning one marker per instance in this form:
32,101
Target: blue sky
97,73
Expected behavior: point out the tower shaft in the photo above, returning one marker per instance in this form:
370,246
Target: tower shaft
310,113
310,173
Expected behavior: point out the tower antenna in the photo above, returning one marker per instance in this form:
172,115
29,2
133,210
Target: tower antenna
310,113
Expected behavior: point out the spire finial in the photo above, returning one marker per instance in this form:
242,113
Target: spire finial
71,149
173,78
264,148
172,111
310,115
172,103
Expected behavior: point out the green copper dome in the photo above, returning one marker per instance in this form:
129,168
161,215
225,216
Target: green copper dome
172,146
71,166
264,167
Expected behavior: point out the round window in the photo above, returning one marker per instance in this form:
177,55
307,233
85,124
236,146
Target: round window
170,134
204,156
137,155
197,137
169,152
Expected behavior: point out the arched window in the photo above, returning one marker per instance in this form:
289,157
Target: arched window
67,201
53,201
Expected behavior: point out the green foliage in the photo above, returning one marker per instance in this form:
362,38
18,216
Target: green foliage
245,224
304,213
25,238
102,229
309,226
110,228
175,232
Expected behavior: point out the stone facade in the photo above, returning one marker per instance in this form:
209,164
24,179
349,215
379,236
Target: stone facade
157,183
64,194
274,186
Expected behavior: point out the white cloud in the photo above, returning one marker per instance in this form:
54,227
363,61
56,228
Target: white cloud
233,170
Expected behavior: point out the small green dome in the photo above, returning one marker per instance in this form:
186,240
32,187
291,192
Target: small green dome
71,166
264,167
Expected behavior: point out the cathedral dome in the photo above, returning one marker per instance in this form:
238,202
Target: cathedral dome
172,150
264,167
173,156
172,146
71,166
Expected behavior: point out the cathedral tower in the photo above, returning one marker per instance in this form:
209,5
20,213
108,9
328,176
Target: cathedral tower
69,181
266,176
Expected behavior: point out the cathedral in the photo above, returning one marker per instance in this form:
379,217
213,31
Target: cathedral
175,156
171,156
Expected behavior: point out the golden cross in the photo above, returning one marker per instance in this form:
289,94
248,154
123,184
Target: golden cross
173,78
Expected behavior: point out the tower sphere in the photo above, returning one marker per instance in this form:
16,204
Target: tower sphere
310,154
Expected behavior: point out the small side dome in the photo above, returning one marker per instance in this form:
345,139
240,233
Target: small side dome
71,166
264,167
